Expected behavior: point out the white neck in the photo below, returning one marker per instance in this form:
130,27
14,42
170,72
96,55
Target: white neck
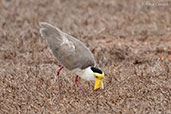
86,74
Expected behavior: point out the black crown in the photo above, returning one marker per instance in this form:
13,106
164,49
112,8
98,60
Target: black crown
96,70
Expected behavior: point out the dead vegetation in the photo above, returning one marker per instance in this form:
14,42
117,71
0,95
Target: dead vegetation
130,41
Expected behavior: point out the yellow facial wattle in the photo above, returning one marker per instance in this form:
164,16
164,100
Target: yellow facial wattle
98,81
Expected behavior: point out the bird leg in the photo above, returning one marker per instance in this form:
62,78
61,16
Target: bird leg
58,71
78,85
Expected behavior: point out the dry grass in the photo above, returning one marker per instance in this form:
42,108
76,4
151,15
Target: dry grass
131,43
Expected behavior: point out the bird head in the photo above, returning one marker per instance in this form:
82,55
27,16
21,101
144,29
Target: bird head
98,75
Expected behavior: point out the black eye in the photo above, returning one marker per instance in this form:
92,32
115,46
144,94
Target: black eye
96,76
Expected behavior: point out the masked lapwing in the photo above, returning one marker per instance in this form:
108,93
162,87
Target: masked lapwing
73,55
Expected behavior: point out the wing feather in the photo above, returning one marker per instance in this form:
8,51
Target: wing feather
69,51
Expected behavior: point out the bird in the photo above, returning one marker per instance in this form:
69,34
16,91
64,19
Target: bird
73,55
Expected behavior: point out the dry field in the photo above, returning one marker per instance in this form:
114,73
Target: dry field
130,39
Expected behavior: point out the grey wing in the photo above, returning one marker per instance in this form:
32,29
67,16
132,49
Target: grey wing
70,52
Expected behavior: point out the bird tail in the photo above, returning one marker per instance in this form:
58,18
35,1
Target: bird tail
52,34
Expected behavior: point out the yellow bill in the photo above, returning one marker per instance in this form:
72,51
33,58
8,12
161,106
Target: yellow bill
98,83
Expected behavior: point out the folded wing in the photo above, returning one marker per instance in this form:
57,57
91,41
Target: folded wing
69,51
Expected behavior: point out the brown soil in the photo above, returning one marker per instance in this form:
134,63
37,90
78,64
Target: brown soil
130,39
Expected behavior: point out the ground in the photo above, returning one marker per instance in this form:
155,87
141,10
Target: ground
131,42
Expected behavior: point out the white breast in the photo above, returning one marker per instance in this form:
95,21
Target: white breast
86,74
